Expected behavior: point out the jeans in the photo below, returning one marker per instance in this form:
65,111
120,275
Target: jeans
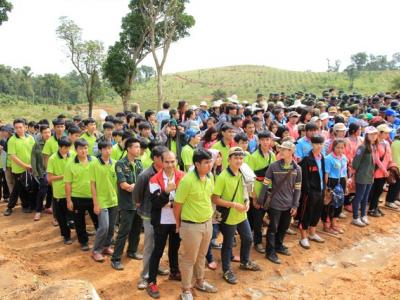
376,192
129,228
163,232
105,231
393,192
279,222
246,239
81,206
215,231
361,198
61,212
4,191
148,246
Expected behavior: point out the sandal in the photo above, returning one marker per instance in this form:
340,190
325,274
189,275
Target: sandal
212,265
338,229
330,230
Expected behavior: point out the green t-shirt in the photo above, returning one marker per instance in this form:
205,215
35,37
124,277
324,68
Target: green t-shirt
224,149
78,175
173,147
146,159
21,147
258,162
105,178
91,139
225,186
187,156
117,153
56,166
51,146
195,197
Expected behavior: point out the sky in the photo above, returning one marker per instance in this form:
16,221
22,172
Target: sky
287,34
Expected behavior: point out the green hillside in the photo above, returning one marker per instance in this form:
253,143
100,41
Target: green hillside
246,81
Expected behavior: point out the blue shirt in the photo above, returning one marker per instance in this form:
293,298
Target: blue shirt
303,148
161,116
321,174
253,144
334,167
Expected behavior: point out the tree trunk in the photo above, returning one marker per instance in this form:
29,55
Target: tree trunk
159,89
125,100
90,100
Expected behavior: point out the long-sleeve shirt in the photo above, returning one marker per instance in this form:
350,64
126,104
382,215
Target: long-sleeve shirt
37,163
286,194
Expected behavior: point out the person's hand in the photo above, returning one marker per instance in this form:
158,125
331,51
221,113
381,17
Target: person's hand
171,186
29,168
70,205
247,204
167,130
96,209
293,212
240,207
386,173
177,226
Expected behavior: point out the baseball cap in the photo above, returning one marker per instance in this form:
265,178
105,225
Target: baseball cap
339,127
391,112
191,133
293,114
236,151
384,128
325,116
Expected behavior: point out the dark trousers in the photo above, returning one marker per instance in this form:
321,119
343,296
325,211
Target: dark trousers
49,196
376,192
163,232
279,222
81,206
246,239
41,193
393,192
20,191
209,255
61,212
4,192
130,224
329,211
361,199
310,209
255,217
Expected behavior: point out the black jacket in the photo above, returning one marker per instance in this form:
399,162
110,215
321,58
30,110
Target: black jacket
311,180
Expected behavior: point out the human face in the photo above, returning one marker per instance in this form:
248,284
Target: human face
134,150
235,161
339,149
214,136
145,132
172,131
265,143
64,150
293,120
210,124
250,129
229,134
59,129
204,167
280,115
106,152
46,134
196,139
308,117
274,128
372,137
19,129
73,137
285,134
384,135
243,144
117,138
310,133
91,127
157,162
341,134
239,123
119,126
169,162
286,153
317,148
152,118
31,129
218,160
82,151
108,133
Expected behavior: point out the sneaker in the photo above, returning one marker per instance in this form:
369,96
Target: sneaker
206,287
273,258
365,220
142,283
397,202
381,212
7,212
391,205
26,210
108,251
97,257
6,200
135,256
162,272
37,217
186,295
290,231
374,213
67,241
304,243
342,215
215,245
176,276
116,265
152,290
259,248
250,266
283,250
358,222
230,277
316,238
85,247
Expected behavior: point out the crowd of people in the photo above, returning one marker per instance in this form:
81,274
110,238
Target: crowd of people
191,174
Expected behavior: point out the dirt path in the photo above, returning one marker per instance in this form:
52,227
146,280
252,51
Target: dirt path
365,264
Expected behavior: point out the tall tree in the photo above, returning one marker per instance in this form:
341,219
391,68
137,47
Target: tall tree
5,7
123,58
168,22
352,73
86,56
359,60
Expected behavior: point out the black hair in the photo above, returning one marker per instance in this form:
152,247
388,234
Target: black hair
16,121
58,121
317,139
77,118
43,127
80,143
208,134
74,129
89,121
143,143
120,114
138,120
148,113
118,133
311,126
64,142
68,124
281,130
108,125
201,154
339,119
188,113
353,127
32,124
118,121
127,134
226,127
235,119
109,118
240,137
247,112
44,121
104,144
157,151
130,141
144,125
129,117
61,116
264,135
166,105
172,112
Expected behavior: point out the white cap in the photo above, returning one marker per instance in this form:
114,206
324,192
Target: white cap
325,116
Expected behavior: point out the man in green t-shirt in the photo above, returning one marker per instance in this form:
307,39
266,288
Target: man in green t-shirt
231,195
55,177
51,145
228,133
103,182
193,212
78,193
20,151
127,170
90,135
193,137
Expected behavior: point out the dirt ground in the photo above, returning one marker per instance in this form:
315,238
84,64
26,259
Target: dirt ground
363,264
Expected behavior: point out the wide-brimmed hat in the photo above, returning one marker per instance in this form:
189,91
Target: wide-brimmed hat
384,128
286,145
